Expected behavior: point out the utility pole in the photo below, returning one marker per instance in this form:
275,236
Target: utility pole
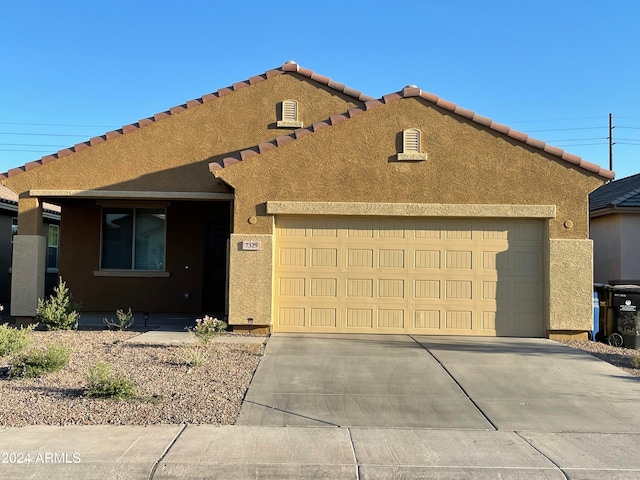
611,142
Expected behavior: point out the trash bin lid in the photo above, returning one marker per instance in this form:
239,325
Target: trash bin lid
626,289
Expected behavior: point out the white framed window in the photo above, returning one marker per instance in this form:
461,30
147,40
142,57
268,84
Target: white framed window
53,242
412,145
133,239
289,115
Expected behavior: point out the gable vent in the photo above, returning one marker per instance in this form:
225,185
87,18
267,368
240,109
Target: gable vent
289,117
411,145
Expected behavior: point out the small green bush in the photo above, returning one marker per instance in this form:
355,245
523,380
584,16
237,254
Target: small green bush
59,311
38,362
102,383
14,340
208,327
124,321
635,361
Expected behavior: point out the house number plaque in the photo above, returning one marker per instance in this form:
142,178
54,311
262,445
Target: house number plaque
251,245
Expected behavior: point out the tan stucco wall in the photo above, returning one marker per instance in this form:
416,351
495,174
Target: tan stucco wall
174,153
356,162
570,285
605,231
171,155
250,284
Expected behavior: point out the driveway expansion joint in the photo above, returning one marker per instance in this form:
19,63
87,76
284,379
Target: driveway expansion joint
152,473
484,415
564,474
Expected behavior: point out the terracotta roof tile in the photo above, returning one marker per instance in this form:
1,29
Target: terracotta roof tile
319,126
370,102
266,146
335,119
257,79
65,152
146,121
484,121
522,137
177,109
32,165
287,67
283,140
240,85
247,154
354,112
78,147
209,97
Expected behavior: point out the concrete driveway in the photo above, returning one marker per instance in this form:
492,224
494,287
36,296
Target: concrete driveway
394,381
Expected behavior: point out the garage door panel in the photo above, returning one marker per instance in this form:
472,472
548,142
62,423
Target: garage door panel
431,276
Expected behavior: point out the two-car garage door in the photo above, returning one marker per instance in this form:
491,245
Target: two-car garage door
409,275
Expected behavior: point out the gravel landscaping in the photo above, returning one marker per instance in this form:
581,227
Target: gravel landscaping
167,389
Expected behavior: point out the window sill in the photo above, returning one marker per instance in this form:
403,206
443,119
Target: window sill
289,124
411,156
132,273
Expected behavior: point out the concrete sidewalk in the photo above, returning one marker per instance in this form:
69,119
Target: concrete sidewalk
236,452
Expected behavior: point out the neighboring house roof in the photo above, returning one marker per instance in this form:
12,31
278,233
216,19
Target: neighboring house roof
9,201
621,194
288,67
415,92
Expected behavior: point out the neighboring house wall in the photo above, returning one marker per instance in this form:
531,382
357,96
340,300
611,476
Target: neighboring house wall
605,233
5,256
630,248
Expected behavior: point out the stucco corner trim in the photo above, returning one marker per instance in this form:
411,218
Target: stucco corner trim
410,209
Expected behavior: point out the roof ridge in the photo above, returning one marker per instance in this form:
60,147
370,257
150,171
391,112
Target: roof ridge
287,67
408,92
624,197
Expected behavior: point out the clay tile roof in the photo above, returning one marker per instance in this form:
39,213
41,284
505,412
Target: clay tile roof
413,91
290,66
623,193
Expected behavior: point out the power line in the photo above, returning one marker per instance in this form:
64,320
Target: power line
557,120
30,151
56,125
32,145
43,134
566,129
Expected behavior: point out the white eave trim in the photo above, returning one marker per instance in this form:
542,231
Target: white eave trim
410,209
121,194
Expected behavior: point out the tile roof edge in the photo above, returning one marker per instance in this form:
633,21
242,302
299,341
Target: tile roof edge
409,92
287,67
413,91
617,201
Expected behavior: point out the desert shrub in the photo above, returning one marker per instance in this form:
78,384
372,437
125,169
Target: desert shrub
208,327
124,320
59,311
635,361
103,383
194,357
38,362
14,340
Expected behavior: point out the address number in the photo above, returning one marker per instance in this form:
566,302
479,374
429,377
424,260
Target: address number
251,245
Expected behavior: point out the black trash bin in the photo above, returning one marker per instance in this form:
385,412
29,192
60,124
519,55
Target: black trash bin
625,302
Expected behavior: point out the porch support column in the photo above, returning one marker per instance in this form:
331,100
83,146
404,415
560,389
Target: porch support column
29,260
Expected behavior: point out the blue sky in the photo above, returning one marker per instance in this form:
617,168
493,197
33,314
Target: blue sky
73,69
